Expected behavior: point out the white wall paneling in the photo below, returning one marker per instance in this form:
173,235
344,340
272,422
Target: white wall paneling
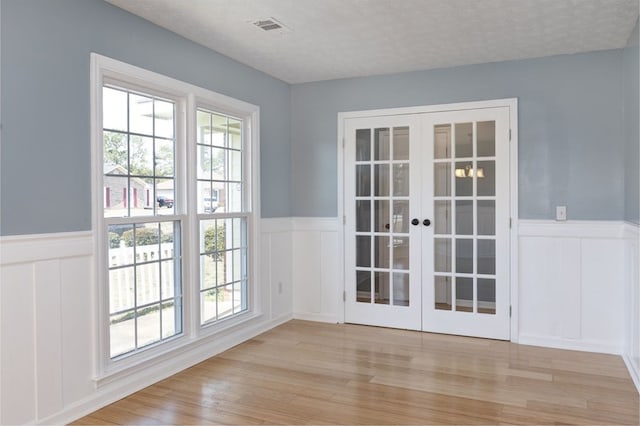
571,285
317,285
48,335
631,353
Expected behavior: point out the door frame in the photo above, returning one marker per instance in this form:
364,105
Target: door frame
512,105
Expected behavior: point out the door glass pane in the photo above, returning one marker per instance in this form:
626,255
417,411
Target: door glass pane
486,296
464,256
381,213
487,257
400,289
464,217
464,179
442,179
442,216
363,251
486,138
363,180
442,141
400,217
486,178
401,143
363,145
464,140
486,217
382,290
442,254
363,286
381,144
381,180
401,253
442,293
381,254
363,216
401,180
464,294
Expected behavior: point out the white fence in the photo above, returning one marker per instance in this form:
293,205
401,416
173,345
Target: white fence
155,280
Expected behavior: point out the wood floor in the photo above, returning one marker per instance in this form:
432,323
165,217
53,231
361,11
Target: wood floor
312,373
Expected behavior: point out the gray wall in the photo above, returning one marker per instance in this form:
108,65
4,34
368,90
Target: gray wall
45,166
571,148
631,91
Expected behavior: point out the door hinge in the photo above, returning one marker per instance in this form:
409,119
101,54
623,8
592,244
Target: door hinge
344,296
344,219
510,222
343,143
510,310
509,136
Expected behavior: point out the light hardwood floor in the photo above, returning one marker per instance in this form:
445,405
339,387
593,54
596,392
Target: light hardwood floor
313,373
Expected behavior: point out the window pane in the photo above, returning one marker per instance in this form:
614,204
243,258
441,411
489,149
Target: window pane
400,289
464,140
381,144
363,180
382,288
464,294
363,216
381,180
401,180
163,119
164,157
121,289
165,196
140,114
401,143
442,141
203,128
235,134
114,109
116,153
363,286
116,196
122,333
486,138
235,165
219,131
148,324
363,145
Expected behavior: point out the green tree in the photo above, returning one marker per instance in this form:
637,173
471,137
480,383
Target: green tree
214,242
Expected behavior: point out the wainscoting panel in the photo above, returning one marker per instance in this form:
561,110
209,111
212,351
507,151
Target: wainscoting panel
317,284
632,297
45,293
48,331
571,285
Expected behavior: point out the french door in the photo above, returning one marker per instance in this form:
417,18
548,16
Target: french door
427,221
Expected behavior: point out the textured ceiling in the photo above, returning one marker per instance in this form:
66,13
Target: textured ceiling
331,39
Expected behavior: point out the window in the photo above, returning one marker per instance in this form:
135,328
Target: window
177,203
223,241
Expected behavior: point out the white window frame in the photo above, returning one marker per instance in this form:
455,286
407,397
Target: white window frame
188,98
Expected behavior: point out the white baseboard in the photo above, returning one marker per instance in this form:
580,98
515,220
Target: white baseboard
570,344
633,371
110,394
327,318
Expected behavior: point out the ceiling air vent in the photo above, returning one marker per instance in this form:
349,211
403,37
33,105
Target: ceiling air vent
270,24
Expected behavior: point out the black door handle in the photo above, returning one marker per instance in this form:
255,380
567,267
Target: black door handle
415,222
426,222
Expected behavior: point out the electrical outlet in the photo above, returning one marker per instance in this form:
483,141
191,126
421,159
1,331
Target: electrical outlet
561,213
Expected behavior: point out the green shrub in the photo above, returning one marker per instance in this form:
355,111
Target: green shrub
114,240
144,237
214,242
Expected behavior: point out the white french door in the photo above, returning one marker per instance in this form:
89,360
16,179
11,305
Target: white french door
426,201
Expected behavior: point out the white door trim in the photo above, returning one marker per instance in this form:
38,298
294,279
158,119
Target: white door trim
512,104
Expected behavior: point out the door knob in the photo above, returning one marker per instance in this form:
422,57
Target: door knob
426,222
415,222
